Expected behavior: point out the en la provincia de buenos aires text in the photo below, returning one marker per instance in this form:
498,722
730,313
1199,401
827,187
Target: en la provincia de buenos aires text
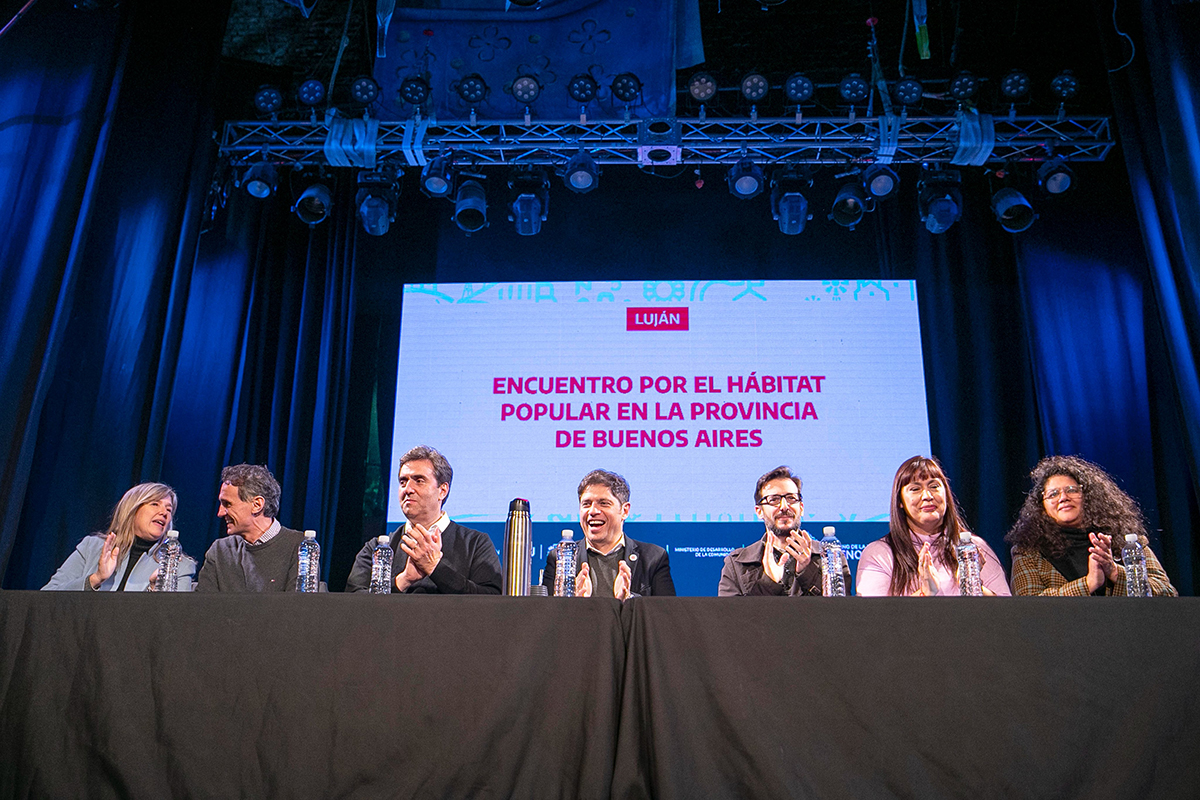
541,407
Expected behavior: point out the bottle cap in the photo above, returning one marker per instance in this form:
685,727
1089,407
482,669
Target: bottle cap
568,534
829,530
172,534
385,540
519,504
1131,537
310,534
964,537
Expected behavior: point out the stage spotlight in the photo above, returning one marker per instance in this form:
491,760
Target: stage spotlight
583,88
260,180
798,89
470,208
472,88
437,178
702,87
311,93
581,174
745,179
1055,177
626,87
376,201
964,86
1012,210
880,181
313,204
268,99
939,201
754,87
526,89
854,89
908,91
414,90
1015,84
531,202
1065,85
364,90
789,207
849,205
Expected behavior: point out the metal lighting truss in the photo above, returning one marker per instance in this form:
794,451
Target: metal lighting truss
698,142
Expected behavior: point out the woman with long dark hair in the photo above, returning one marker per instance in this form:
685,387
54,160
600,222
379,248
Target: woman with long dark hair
1063,540
123,558
917,557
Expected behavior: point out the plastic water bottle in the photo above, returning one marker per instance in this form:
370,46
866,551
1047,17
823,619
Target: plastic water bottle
969,582
169,555
381,566
309,578
564,570
1133,556
833,582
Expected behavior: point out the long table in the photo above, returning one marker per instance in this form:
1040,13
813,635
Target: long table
357,696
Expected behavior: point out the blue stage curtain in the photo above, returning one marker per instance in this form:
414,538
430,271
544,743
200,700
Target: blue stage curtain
1157,103
106,157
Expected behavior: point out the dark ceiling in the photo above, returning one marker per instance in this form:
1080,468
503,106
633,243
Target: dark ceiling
270,40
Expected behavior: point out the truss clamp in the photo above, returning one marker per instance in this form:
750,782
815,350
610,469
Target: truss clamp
659,142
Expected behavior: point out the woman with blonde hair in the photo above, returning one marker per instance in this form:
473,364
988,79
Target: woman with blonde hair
1073,518
125,558
917,557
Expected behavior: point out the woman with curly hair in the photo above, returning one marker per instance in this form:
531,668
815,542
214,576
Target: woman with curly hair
917,556
1063,538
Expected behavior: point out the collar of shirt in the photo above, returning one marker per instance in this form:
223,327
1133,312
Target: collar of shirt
268,535
441,523
620,543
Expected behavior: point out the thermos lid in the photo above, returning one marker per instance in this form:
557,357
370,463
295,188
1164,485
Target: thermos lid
518,504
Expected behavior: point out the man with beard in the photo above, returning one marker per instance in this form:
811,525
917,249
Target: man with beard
610,564
783,562
258,554
434,555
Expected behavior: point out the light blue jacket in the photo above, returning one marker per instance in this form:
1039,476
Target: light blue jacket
73,574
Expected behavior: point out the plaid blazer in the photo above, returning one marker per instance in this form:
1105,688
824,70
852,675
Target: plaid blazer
1032,574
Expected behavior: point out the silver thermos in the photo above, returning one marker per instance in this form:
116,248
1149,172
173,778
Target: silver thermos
518,549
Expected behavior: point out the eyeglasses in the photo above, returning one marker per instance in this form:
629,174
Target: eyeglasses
1071,491
777,499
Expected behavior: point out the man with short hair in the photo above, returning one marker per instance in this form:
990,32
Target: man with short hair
611,564
783,562
434,555
257,554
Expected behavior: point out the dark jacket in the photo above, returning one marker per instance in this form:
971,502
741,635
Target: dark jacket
649,567
742,575
469,565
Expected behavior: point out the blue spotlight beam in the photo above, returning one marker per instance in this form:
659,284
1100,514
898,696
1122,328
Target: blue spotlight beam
828,140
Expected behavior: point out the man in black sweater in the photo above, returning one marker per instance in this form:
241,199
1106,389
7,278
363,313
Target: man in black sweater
257,554
609,563
433,554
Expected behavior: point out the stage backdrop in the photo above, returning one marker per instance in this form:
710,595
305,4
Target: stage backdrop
125,357
689,389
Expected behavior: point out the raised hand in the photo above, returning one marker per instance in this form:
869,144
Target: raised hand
624,579
926,582
583,582
110,556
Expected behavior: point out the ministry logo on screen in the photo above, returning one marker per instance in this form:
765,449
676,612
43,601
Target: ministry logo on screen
656,319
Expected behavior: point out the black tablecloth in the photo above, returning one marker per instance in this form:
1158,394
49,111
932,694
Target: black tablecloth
902,697
225,696
356,696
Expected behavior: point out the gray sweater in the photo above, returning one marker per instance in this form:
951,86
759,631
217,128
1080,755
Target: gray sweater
231,565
